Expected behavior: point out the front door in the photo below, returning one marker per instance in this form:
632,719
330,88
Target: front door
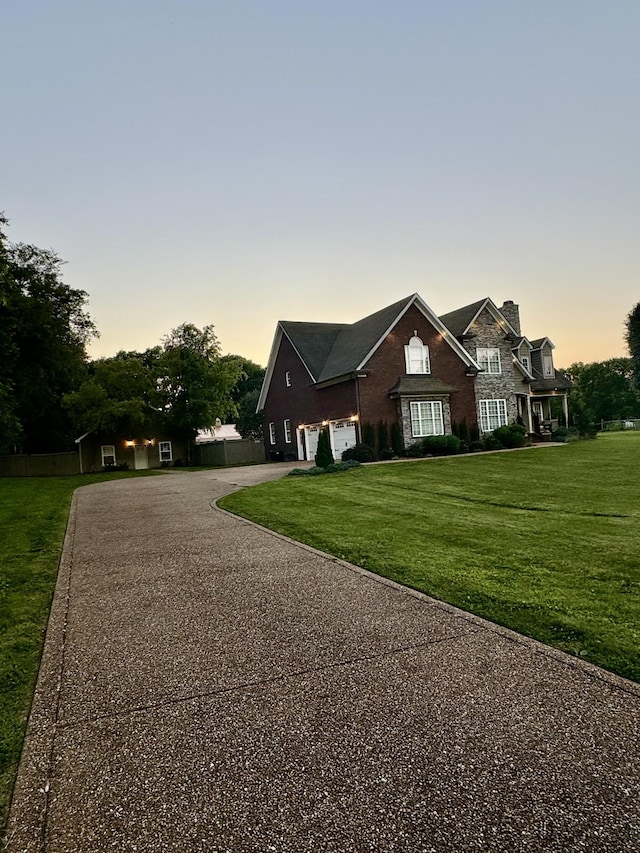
141,457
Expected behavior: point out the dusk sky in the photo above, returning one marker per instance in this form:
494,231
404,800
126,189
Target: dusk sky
241,162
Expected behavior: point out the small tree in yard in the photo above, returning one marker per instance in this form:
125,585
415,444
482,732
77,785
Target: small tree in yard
324,457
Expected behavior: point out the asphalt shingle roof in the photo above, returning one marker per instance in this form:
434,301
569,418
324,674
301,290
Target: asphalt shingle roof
458,321
334,349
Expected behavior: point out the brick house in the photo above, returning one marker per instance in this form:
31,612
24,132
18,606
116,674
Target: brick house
402,365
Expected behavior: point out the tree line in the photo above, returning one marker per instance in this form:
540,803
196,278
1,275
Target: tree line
51,392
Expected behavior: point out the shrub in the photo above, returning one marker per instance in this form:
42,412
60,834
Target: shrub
324,456
414,450
491,442
386,454
334,468
369,436
396,438
510,436
440,445
359,453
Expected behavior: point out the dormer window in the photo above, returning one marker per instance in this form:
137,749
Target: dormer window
416,356
525,361
489,360
547,366
287,379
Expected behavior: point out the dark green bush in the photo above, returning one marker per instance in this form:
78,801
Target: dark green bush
359,453
440,445
491,442
414,450
324,456
334,468
510,436
396,439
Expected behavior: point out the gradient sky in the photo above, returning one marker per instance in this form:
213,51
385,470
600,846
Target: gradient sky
245,161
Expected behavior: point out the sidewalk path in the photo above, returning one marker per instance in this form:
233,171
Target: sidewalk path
207,686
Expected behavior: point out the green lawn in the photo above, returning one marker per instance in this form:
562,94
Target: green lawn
33,518
545,541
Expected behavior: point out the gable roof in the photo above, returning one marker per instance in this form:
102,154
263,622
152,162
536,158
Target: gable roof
356,343
331,350
313,342
461,319
540,342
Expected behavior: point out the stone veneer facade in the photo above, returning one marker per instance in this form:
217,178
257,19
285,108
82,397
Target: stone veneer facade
404,414
493,386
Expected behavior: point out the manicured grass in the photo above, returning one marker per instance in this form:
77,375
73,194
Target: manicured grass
33,518
545,541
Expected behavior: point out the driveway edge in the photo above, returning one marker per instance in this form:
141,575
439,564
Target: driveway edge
536,646
26,832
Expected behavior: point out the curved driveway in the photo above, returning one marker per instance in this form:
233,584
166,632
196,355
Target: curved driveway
209,686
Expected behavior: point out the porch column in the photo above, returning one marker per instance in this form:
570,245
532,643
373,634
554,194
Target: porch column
529,413
565,408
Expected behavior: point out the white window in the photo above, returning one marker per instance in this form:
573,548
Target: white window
489,360
287,431
547,362
108,454
493,414
416,356
287,379
426,418
272,433
165,451
525,361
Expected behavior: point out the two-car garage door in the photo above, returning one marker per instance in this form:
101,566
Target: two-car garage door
341,433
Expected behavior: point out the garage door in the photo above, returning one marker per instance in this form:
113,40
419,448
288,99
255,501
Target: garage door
344,435
311,436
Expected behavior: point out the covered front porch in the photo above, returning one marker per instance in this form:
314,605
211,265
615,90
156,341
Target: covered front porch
543,413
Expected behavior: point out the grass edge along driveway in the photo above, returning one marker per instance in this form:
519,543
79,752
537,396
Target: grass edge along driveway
545,541
33,520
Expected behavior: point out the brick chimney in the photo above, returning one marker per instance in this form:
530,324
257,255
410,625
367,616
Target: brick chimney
511,312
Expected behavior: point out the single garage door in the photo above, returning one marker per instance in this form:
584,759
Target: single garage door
344,435
311,436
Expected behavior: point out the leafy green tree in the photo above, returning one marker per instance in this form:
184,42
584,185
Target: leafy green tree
632,336
44,330
248,423
250,380
119,394
603,391
195,382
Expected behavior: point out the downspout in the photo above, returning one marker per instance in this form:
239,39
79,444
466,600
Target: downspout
359,421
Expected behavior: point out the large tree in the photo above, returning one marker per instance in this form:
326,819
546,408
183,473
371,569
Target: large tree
245,395
44,329
603,390
195,382
632,336
119,394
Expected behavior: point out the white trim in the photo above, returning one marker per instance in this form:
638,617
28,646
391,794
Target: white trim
272,432
287,378
416,343
273,355
107,447
286,423
501,418
418,418
422,306
497,315
299,448
160,451
487,352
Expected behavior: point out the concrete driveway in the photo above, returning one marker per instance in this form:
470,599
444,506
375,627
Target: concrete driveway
209,686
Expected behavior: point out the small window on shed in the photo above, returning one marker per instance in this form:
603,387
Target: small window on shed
108,454
165,451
